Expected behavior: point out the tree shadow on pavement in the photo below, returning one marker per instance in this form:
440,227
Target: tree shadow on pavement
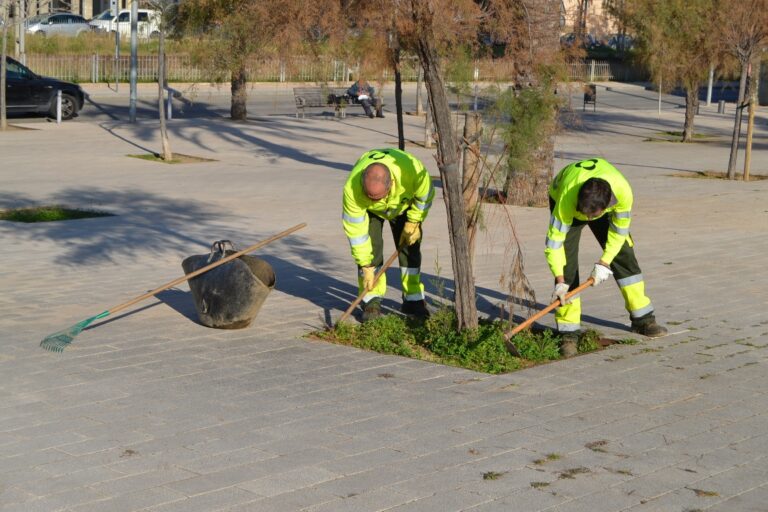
143,223
258,137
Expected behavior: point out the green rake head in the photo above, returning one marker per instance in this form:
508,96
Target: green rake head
58,341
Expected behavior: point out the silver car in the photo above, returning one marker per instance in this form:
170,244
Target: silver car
58,24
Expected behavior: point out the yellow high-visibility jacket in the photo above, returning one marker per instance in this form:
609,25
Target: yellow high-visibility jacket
411,191
564,190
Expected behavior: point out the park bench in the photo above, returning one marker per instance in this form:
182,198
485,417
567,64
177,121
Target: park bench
323,97
590,96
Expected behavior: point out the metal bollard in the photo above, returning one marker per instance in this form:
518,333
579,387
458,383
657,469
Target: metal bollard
721,107
169,107
58,106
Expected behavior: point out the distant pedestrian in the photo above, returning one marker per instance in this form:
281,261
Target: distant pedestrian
594,193
364,93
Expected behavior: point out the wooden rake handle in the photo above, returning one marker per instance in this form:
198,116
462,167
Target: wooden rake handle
383,269
206,268
583,286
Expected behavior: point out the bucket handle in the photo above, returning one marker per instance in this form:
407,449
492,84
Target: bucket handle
219,249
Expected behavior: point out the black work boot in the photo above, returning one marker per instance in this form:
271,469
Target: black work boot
372,310
569,344
417,308
647,326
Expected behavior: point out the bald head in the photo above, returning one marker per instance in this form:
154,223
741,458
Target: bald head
376,181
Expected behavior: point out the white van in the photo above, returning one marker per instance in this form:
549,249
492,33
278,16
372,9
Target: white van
148,23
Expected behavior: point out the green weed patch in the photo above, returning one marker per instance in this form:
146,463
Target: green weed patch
48,214
438,340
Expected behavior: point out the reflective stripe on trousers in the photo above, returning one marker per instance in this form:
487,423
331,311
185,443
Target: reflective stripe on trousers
633,290
410,280
568,317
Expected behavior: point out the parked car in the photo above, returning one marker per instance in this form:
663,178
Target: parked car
58,24
102,16
617,41
148,23
26,91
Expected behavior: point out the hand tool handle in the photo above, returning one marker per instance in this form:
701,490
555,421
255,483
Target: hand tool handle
375,279
583,286
206,268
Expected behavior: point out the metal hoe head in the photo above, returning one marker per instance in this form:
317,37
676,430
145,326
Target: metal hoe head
58,341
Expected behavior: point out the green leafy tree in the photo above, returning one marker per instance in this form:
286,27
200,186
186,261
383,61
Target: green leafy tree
677,40
744,33
234,32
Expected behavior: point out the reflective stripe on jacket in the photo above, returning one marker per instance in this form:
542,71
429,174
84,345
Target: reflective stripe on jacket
411,192
564,190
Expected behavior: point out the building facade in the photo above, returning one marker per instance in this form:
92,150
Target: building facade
85,8
592,16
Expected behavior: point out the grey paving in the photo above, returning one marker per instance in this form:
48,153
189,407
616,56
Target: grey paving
148,410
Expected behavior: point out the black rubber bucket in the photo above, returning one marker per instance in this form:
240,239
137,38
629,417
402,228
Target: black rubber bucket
231,295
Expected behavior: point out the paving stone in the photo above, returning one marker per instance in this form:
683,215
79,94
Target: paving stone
208,502
288,481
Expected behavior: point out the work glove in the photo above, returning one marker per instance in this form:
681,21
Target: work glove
410,235
600,273
369,273
559,293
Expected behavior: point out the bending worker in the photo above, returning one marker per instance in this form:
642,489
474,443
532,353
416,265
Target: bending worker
387,185
594,193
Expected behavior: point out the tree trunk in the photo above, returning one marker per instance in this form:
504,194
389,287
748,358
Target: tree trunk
473,127
755,70
3,53
737,122
399,100
428,129
447,162
691,104
579,25
419,105
238,109
167,154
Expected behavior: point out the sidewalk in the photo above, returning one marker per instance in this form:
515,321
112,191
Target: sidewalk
150,411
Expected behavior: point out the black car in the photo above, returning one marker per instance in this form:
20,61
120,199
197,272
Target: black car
26,91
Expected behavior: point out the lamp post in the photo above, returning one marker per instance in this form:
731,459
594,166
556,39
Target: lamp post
134,59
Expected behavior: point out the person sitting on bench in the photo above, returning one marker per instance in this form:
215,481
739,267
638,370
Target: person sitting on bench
363,92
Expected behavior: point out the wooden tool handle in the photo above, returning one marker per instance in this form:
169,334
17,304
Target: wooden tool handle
583,286
206,268
383,269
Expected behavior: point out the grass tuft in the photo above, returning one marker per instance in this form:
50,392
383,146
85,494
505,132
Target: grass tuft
704,494
178,158
549,458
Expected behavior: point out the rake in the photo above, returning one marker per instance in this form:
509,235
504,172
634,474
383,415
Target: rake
508,336
383,269
58,341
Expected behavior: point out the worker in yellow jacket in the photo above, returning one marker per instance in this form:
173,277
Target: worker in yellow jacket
387,185
594,193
